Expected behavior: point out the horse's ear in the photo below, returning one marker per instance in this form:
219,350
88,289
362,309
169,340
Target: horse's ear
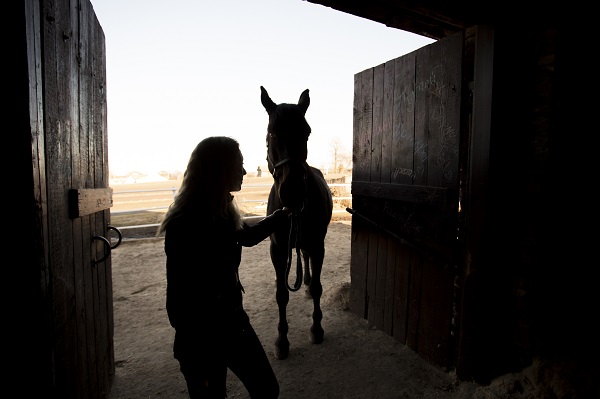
304,101
266,101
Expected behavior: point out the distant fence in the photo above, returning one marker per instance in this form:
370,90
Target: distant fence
342,188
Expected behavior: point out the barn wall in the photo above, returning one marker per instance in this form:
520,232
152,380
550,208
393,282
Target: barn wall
528,296
528,212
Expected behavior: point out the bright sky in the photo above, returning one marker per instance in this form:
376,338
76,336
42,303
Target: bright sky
182,70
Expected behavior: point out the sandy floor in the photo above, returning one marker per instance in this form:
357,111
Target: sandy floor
354,361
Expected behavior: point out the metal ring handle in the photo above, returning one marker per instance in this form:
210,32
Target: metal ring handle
106,245
118,233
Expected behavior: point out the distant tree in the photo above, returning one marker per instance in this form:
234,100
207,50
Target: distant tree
342,158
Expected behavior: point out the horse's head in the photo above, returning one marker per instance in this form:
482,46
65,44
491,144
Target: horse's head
287,137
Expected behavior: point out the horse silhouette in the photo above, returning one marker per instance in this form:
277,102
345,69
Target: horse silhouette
303,188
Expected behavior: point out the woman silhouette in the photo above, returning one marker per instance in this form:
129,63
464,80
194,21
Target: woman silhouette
204,235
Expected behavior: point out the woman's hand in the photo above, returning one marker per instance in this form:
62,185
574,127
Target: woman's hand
287,210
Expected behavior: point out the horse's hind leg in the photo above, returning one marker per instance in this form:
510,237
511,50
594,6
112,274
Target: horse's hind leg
316,290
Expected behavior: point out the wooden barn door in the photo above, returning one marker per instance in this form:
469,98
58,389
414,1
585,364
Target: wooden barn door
67,97
405,189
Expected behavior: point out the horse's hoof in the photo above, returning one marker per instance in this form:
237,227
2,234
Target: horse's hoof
316,335
281,354
282,349
315,339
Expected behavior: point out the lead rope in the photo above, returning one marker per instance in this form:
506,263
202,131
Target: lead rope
294,233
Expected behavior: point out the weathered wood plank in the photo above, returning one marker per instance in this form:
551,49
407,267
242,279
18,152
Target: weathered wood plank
402,133
387,123
414,262
87,201
387,159
377,255
87,55
401,289
58,127
376,139
105,344
31,365
425,195
362,116
422,116
363,125
85,378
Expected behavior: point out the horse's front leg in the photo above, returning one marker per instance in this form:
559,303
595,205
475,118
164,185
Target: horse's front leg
282,295
316,290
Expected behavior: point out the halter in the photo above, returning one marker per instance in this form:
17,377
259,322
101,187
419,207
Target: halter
281,163
278,164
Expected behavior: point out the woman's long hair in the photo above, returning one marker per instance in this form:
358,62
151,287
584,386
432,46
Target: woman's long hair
213,165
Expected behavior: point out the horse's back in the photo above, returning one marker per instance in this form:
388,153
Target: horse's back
324,192
320,208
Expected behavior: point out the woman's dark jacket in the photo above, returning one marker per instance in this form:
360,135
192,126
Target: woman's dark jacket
204,294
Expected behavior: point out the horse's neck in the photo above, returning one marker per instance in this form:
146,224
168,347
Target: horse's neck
314,173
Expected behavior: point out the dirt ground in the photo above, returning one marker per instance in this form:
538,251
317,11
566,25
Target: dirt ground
354,361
